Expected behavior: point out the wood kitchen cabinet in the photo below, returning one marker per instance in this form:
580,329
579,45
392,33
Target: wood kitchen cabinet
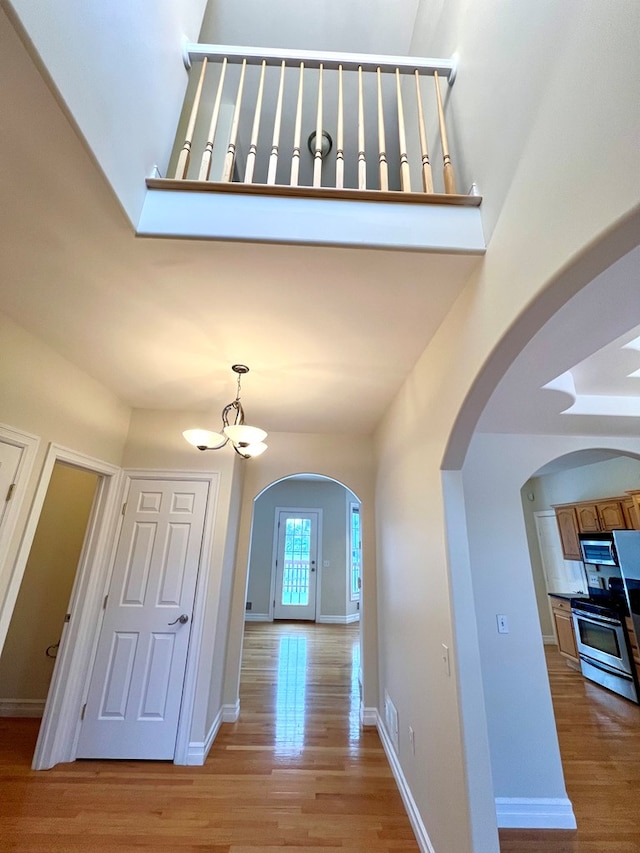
633,640
563,624
631,509
617,513
568,526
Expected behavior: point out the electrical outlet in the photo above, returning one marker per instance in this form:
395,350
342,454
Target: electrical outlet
503,624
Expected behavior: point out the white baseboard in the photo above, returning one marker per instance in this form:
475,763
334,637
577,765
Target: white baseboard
230,713
549,640
198,750
424,842
535,813
338,620
368,716
257,617
22,707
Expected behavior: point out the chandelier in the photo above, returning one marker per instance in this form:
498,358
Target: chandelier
247,441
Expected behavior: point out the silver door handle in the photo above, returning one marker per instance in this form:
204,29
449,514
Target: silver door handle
181,619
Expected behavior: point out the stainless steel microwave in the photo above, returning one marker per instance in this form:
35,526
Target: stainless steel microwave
598,549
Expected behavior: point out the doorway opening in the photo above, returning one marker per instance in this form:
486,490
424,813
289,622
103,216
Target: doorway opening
33,639
305,564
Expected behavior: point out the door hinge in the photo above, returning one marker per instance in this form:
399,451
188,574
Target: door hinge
82,713
10,492
274,602
124,507
67,617
104,603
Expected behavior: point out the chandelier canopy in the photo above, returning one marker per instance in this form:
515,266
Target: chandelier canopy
247,441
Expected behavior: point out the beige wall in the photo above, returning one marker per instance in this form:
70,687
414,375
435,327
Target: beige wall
347,459
44,394
551,206
25,670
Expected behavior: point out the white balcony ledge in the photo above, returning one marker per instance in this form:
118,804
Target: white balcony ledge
316,217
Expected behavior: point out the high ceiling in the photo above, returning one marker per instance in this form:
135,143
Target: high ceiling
329,334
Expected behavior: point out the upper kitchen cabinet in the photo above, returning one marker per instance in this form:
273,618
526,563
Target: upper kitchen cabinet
611,515
617,513
568,527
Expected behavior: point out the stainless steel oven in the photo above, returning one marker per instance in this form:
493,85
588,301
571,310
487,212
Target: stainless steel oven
603,647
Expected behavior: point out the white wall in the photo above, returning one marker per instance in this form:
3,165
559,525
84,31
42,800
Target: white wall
44,394
347,459
539,135
129,83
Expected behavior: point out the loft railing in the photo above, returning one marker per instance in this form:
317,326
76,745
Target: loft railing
261,121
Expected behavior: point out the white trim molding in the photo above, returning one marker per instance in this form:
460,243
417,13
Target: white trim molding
257,617
422,837
368,716
535,813
230,713
198,750
339,620
21,707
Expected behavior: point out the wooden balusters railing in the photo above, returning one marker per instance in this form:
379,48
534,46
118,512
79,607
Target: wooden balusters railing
185,153
405,174
382,146
277,123
230,159
447,168
360,112
427,178
205,165
297,132
340,134
362,157
255,130
317,154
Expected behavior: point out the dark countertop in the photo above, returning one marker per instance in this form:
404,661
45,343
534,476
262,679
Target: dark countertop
567,596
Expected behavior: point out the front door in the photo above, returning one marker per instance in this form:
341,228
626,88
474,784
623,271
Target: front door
296,564
134,699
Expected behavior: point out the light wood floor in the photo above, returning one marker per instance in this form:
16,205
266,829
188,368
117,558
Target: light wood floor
296,773
599,735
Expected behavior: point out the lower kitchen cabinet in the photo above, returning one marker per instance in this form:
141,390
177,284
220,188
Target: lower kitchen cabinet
633,640
563,624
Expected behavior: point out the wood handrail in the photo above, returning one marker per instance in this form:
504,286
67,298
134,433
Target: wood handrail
195,52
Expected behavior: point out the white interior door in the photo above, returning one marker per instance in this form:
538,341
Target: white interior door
134,699
10,456
296,565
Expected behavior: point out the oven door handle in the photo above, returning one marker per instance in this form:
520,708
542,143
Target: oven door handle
594,617
598,664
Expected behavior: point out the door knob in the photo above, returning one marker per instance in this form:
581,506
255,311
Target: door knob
181,619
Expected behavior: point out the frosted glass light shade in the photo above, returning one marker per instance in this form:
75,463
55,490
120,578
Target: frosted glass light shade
254,449
204,438
243,434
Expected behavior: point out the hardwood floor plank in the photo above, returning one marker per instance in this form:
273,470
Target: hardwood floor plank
295,773
599,736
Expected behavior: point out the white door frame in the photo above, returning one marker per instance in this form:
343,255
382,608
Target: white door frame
274,556
58,730
29,444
